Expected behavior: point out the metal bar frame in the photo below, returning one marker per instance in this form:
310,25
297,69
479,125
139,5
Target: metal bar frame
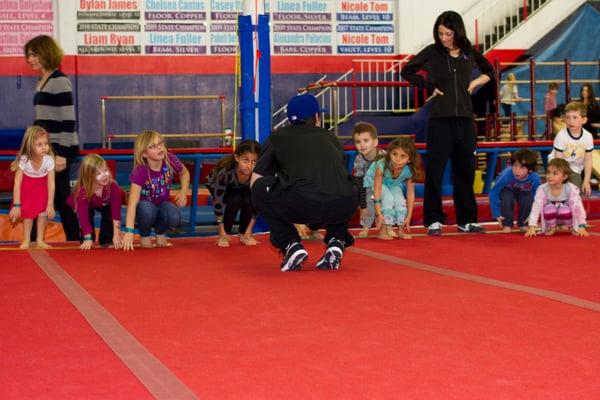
103,99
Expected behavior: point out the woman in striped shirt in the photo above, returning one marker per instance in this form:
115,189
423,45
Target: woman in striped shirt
55,112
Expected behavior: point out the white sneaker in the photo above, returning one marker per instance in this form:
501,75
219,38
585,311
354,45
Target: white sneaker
434,229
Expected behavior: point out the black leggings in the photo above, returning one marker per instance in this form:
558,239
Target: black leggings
237,200
106,225
62,190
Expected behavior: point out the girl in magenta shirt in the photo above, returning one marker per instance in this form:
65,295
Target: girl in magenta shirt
97,191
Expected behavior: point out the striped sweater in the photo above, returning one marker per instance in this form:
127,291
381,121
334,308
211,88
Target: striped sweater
54,110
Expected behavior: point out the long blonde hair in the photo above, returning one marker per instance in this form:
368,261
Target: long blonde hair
88,170
31,135
142,141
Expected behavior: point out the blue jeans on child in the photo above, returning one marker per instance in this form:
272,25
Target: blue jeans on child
163,217
524,199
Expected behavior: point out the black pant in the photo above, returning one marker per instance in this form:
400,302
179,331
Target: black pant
284,208
237,200
106,225
524,199
454,139
62,190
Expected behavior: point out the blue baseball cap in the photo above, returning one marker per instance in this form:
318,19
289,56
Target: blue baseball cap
302,106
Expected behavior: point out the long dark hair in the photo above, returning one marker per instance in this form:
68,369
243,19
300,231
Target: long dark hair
407,144
591,96
246,146
453,21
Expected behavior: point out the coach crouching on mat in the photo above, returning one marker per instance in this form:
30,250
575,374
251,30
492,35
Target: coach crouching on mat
301,178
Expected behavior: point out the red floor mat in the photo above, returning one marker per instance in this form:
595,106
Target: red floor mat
47,350
231,326
561,263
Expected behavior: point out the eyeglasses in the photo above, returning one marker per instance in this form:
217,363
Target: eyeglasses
156,146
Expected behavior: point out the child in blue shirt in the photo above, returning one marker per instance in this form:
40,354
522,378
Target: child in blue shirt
515,184
388,176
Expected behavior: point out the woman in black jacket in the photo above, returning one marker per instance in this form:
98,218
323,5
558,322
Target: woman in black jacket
449,64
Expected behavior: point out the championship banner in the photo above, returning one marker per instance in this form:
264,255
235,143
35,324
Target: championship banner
20,20
199,27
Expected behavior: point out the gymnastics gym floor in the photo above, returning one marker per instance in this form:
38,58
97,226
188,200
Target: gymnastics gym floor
494,316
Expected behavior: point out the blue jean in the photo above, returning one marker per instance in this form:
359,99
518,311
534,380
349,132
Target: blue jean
508,198
507,108
163,217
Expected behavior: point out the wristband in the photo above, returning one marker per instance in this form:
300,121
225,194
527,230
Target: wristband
17,205
87,237
377,201
127,229
583,225
220,222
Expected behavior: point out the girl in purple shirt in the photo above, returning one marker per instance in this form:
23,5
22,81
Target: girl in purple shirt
97,191
149,203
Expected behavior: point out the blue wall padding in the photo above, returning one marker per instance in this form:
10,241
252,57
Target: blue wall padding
247,102
264,71
164,116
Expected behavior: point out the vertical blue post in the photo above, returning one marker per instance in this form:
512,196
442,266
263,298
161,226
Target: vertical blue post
264,73
247,103
251,97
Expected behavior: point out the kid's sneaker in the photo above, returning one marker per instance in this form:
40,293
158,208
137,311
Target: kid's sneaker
294,256
333,255
471,228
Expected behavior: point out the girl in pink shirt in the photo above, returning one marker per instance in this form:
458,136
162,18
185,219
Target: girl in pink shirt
97,191
557,203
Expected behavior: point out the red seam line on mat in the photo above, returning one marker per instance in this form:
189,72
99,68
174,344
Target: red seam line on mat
153,374
563,298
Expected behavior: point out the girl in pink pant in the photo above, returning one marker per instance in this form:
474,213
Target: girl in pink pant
557,202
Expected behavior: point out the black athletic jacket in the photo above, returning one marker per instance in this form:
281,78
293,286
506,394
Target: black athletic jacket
308,158
451,75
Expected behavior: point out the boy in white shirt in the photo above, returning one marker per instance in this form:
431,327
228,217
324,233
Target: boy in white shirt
575,144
